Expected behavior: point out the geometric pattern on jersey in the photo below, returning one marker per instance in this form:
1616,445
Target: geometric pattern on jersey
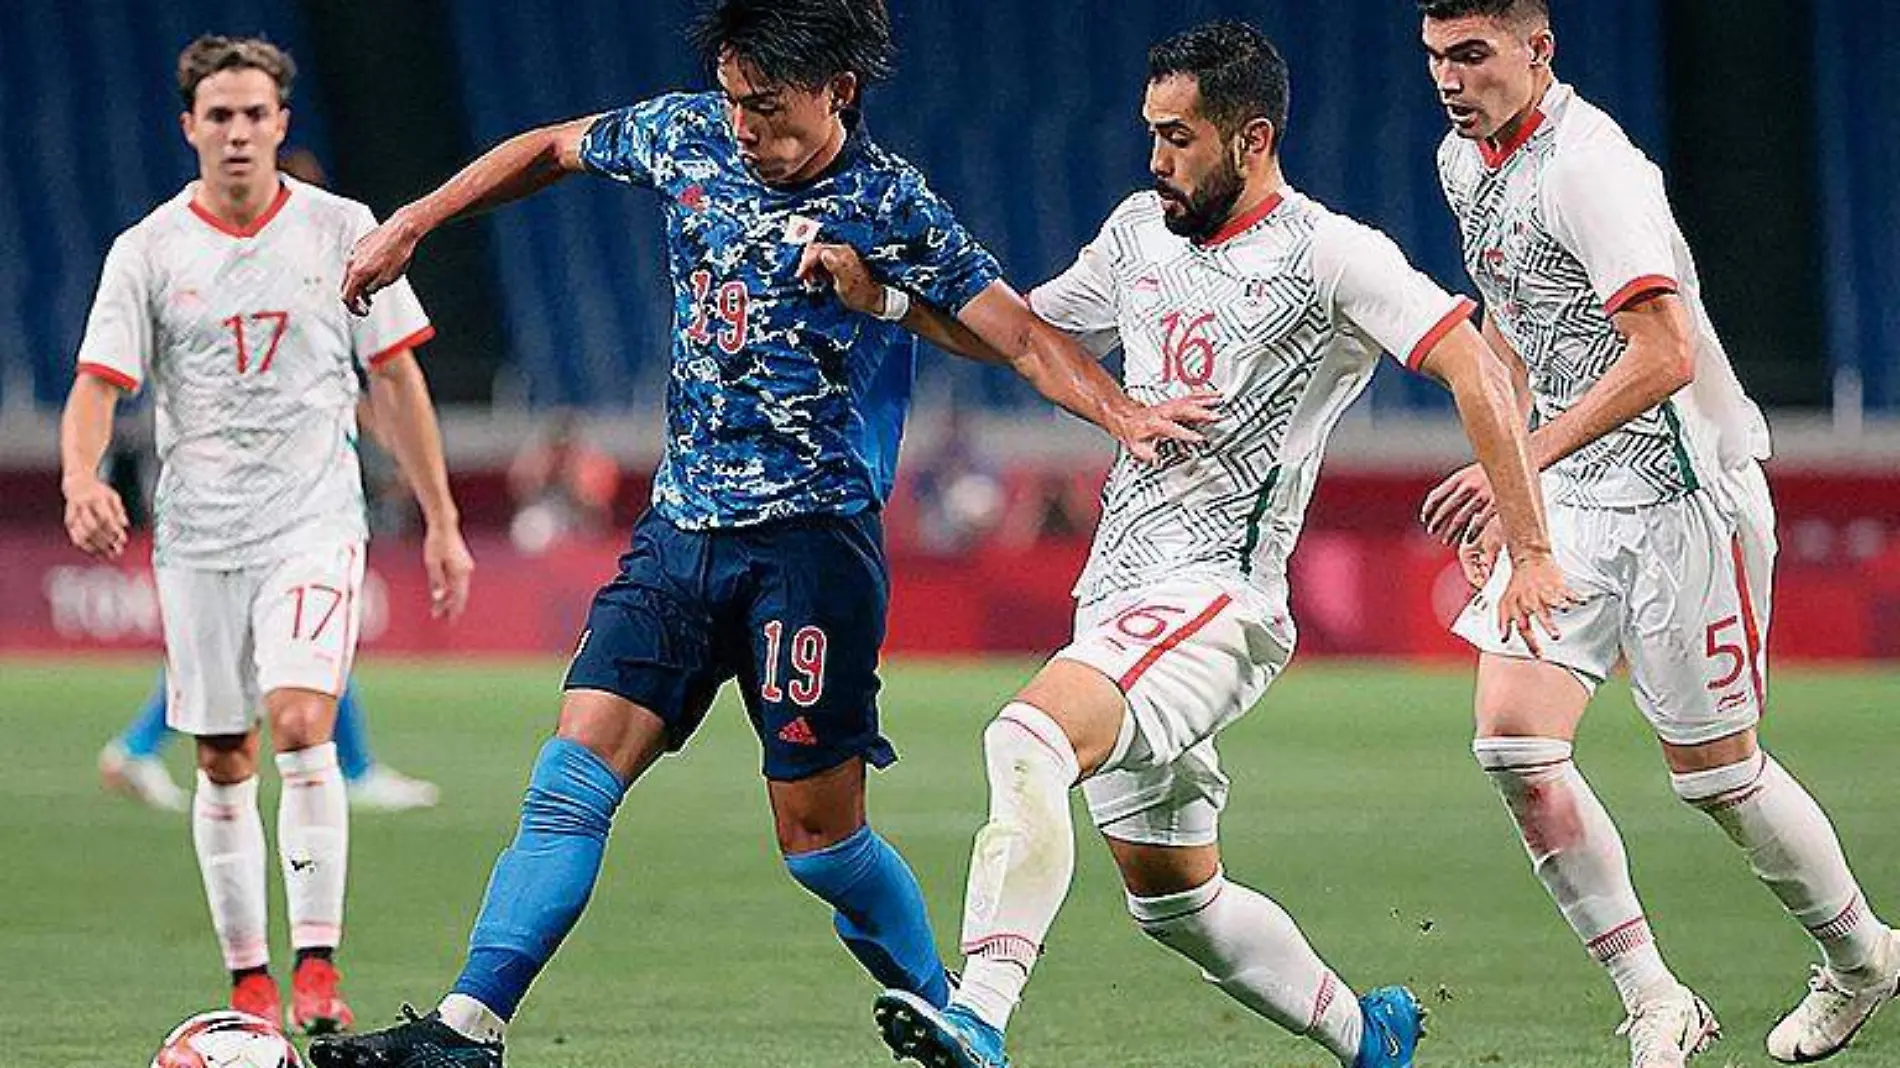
253,362
780,401
1540,296
1254,315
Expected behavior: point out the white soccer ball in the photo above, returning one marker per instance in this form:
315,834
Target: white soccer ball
226,1039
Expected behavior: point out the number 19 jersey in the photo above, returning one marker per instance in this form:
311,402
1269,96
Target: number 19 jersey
1285,313
253,363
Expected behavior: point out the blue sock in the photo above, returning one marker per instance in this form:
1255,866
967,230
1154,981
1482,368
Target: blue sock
352,739
880,912
146,733
542,881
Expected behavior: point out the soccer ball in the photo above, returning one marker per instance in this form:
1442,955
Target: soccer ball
226,1039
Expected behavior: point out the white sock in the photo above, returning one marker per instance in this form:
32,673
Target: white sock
471,1019
1249,947
1578,856
1793,850
228,835
1023,859
313,840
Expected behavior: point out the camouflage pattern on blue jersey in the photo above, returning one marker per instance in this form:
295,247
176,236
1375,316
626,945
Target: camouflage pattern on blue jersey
781,401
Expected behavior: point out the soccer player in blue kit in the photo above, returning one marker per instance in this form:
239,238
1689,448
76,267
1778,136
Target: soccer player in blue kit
762,557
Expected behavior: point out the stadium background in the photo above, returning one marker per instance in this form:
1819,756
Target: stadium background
1778,122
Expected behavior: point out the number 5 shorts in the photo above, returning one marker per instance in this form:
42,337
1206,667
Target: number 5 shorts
232,636
1190,657
1679,591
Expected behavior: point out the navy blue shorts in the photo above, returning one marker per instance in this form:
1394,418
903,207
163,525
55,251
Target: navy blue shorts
792,609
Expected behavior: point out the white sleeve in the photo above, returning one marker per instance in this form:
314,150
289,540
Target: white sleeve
118,341
1364,277
1610,211
395,321
1083,301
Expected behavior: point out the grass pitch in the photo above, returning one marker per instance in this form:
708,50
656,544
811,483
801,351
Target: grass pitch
1356,804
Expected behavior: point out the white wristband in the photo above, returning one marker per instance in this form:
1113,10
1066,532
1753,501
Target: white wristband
896,305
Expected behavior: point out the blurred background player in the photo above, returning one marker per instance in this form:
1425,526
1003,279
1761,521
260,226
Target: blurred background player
762,558
563,486
223,297
1222,276
1660,515
130,763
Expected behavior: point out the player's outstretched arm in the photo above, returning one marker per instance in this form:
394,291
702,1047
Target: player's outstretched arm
95,516
1481,384
1461,506
399,396
999,327
518,167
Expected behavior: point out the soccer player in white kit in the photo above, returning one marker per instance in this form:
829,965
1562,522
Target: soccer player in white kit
1222,277
225,299
1660,517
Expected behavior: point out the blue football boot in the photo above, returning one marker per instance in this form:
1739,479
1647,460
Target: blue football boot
1395,1021
937,1038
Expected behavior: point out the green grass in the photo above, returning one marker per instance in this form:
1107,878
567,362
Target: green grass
1356,805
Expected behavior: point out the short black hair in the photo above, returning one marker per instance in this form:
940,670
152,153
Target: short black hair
801,43
211,54
1509,10
1242,77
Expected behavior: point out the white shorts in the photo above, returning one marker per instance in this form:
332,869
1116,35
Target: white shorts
1681,591
1190,659
233,636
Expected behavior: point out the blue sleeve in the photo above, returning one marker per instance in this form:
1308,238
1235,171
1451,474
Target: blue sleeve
629,144
925,250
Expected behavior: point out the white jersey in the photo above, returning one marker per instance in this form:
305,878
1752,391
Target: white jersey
253,361
1285,313
1561,230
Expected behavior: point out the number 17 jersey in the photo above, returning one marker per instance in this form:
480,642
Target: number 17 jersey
1284,312
253,363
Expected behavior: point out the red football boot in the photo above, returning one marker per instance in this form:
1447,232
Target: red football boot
256,994
316,1005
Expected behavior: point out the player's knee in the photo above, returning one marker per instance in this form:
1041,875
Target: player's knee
1518,765
227,758
1715,789
1179,920
300,719
1024,743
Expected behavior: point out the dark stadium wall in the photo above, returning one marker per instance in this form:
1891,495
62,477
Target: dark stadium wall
1743,178
389,82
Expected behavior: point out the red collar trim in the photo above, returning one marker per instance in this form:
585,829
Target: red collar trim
257,224
1242,223
1495,155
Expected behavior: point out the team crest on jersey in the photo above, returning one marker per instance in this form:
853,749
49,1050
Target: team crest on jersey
800,231
693,198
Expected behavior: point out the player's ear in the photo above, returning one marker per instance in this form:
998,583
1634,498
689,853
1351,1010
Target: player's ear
1254,139
844,91
1543,47
185,124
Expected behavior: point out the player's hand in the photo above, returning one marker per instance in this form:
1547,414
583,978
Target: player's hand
1141,428
1478,555
1459,507
843,270
446,558
381,257
95,517
1537,590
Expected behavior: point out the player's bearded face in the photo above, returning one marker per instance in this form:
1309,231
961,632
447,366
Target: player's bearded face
1196,174
786,134
236,124
1485,70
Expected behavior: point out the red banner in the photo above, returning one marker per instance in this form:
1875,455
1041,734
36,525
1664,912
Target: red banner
1356,593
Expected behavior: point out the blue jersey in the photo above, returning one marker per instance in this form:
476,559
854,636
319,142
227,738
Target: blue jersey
781,401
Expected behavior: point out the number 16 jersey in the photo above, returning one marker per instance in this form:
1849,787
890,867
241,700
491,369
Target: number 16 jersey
1284,312
253,362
